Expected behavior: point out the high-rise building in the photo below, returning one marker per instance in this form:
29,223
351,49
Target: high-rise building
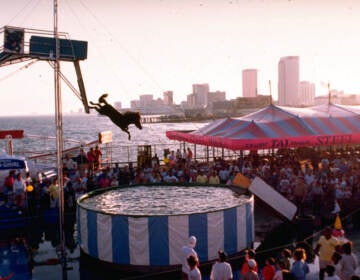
307,93
201,92
168,98
118,105
249,83
288,82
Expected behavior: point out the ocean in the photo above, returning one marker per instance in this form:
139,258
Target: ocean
86,128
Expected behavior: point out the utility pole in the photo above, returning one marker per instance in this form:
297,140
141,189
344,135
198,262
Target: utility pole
59,141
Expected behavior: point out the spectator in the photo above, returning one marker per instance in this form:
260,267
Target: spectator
325,248
348,262
81,161
330,273
268,270
214,178
98,155
251,274
201,178
8,184
91,158
336,257
54,193
249,255
194,272
300,268
188,250
155,162
300,194
281,271
286,256
19,189
69,165
221,269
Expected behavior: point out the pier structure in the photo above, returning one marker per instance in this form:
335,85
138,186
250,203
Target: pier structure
21,45
32,45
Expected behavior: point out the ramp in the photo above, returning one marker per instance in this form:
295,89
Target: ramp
273,198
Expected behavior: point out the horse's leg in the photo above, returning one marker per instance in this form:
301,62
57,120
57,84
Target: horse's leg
126,129
95,105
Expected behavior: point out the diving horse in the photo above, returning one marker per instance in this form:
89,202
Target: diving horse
121,120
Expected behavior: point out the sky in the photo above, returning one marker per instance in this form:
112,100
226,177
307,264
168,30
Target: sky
151,46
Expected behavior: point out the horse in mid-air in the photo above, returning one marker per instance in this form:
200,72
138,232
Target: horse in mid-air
121,120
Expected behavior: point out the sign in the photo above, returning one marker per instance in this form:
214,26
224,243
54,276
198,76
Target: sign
15,134
7,164
105,137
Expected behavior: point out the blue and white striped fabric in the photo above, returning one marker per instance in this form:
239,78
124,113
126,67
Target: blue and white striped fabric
157,240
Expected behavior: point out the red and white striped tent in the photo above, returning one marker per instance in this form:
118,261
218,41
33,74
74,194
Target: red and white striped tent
277,127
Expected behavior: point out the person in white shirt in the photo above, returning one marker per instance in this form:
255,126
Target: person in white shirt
19,189
221,270
187,251
194,271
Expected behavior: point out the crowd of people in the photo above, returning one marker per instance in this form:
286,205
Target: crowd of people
319,181
337,261
331,177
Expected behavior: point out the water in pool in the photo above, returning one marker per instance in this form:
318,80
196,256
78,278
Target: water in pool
163,200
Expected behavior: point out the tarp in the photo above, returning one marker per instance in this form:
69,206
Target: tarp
277,127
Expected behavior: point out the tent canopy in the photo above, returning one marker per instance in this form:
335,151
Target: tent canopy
280,127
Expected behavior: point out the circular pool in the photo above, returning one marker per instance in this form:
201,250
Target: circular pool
147,225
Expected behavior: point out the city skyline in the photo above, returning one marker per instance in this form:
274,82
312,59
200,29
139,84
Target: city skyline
150,47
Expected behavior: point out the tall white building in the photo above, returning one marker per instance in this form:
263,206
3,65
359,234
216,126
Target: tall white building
289,81
118,105
249,83
307,94
201,92
168,98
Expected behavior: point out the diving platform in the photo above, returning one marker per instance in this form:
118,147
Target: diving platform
21,45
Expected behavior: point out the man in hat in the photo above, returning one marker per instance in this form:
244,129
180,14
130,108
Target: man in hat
249,255
221,269
251,274
188,250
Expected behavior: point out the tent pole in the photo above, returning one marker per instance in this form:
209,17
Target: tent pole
194,152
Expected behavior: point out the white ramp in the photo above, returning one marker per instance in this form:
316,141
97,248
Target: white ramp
273,198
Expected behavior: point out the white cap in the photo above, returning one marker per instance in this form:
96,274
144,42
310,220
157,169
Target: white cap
192,241
252,263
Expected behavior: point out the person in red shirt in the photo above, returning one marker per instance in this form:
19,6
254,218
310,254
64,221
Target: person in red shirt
8,184
189,156
268,270
91,158
249,255
98,154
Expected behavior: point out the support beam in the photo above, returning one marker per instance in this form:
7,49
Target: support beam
81,86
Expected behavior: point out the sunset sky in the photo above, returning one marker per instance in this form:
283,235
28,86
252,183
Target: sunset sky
151,46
